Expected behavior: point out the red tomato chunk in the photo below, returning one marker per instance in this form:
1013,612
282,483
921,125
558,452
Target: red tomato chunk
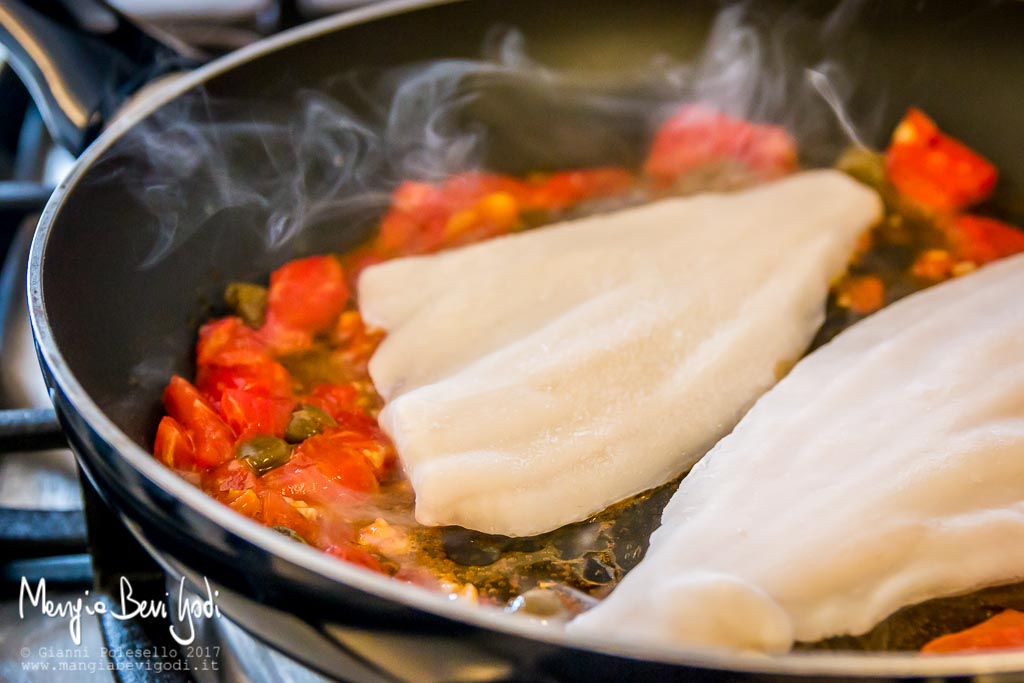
934,171
1004,630
698,136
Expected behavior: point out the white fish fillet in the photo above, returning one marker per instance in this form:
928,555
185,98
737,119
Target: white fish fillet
533,380
886,469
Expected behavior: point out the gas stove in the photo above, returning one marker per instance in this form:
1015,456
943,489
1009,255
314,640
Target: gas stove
53,526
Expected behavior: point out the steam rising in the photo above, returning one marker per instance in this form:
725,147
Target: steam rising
314,160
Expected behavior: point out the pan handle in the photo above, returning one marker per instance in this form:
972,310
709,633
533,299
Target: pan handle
81,59
30,429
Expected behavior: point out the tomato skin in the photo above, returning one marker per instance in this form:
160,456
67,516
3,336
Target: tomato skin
173,445
327,469
562,190
337,400
263,376
307,294
934,171
354,555
227,341
277,511
338,454
697,135
245,502
230,355
249,414
469,207
213,440
1003,631
983,240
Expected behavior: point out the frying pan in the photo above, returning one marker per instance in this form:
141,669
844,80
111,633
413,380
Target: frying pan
111,323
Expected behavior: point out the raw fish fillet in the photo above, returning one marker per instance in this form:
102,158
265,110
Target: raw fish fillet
886,469
533,380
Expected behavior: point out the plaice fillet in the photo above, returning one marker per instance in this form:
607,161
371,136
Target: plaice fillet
532,380
887,468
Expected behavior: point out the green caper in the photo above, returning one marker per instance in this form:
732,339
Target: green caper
290,533
305,422
863,164
263,453
248,301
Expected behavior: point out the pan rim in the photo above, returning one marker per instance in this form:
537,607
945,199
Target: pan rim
798,663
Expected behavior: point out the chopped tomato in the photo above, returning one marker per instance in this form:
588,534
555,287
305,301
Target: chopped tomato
934,171
933,264
355,555
328,469
307,294
341,455
562,190
230,355
228,341
1004,630
697,136
232,475
258,375
245,502
983,240
473,206
334,399
249,414
277,511
356,341
173,446
862,294
211,437
424,217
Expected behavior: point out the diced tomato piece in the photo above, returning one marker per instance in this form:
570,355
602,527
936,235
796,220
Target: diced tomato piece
934,171
469,207
341,456
983,240
244,502
328,469
1004,630
418,577
933,264
212,438
562,190
233,475
173,446
862,294
249,414
334,399
258,375
697,136
227,341
307,294
355,555
230,355
465,189
355,340
277,511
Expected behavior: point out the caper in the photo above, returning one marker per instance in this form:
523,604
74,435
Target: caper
248,301
263,453
864,165
290,533
305,422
